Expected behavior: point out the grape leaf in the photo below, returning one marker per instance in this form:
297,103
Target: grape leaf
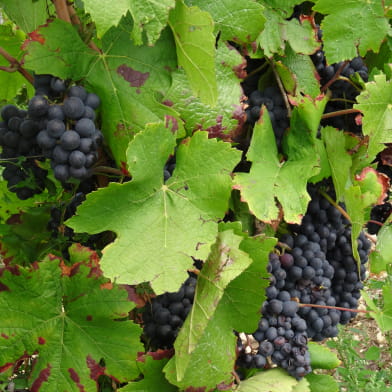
224,264
365,27
151,368
149,16
125,76
382,315
240,21
24,238
278,31
375,104
195,43
148,215
322,383
284,7
11,82
339,160
300,71
229,295
66,316
269,178
27,15
369,188
274,380
380,257
227,116
322,357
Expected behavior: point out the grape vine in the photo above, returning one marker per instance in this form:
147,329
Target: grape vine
194,194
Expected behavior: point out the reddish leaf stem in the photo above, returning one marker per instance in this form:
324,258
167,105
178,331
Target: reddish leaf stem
340,113
333,307
62,10
14,65
76,21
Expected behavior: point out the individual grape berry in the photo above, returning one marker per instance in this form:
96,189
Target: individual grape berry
77,159
70,140
38,106
73,108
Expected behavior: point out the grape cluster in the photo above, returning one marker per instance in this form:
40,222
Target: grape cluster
20,153
166,314
273,100
282,333
314,274
343,90
65,133
70,138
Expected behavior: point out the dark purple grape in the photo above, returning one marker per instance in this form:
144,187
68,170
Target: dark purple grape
73,108
70,140
85,127
77,159
38,106
61,172
93,101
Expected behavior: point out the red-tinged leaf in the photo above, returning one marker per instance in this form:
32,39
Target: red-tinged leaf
66,319
374,182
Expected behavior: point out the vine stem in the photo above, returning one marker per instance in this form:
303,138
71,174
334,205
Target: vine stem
340,113
76,21
258,69
333,307
336,205
62,10
14,65
281,88
110,170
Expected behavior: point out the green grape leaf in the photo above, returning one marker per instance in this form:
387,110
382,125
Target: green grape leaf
27,15
310,109
195,42
269,178
148,16
150,365
11,82
148,215
240,21
24,238
369,188
339,160
321,357
225,262
375,104
125,76
301,73
278,31
380,257
322,383
227,115
382,315
229,295
365,27
69,317
274,380
284,7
